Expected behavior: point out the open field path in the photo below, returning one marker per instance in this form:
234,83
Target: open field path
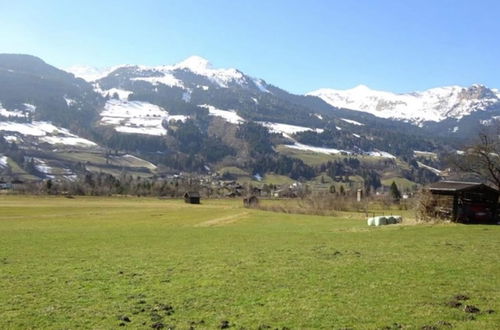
220,221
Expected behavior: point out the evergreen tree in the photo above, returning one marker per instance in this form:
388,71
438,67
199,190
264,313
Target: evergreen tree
395,193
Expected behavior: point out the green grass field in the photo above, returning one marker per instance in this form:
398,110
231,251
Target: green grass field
87,262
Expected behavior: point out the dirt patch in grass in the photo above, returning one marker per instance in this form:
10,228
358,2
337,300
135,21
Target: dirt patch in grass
221,221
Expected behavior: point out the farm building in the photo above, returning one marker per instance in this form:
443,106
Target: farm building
467,202
192,197
250,201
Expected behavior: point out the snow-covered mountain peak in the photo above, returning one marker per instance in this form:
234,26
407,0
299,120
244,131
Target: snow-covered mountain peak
434,104
361,88
200,66
194,63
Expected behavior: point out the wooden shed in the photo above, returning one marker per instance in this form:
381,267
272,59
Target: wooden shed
467,202
192,197
251,201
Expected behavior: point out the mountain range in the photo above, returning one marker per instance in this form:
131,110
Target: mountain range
192,117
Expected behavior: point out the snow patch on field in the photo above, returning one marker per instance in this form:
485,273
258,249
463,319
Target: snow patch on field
418,153
52,172
229,115
383,154
42,167
167,79
45,132
39,128
287,129
134,117
432,169
12,138
182,118
353,122
68,141
321,150
3,161
122,94
140,161
11,113
17,112
69,102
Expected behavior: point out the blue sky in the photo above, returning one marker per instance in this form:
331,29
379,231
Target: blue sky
300,46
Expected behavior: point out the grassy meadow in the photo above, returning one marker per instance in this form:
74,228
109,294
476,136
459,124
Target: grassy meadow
103,263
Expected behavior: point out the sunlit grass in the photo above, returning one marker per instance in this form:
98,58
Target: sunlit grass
87,262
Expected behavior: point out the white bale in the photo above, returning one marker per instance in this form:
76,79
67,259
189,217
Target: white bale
380,221
391,220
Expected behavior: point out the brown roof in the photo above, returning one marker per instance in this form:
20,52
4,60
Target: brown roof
453,186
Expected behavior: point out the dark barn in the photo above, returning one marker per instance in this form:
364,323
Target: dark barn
467,202
192,197
251,201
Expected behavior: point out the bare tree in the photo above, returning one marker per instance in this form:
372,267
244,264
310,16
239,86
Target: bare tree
482,158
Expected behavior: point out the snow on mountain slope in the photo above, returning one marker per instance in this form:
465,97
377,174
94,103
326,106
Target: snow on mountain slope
202,67
121,93
134,117
3,161
288,129
352,122
89,73
45,132
19,113
432,169
320,150
182,118
174,75
497,92
229,115
167,79
382,154
434,104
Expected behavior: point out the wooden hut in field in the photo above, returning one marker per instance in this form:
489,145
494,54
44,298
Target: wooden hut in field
5,185
467,202
251,201
192,197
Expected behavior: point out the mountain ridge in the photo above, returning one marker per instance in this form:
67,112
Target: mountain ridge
192,117
435,104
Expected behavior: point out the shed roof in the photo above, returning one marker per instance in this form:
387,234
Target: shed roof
194,194
456,186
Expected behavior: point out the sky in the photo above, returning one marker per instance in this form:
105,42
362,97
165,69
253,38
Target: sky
397,45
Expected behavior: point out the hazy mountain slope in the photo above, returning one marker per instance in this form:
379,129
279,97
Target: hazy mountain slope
43,92
435,104
188,116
